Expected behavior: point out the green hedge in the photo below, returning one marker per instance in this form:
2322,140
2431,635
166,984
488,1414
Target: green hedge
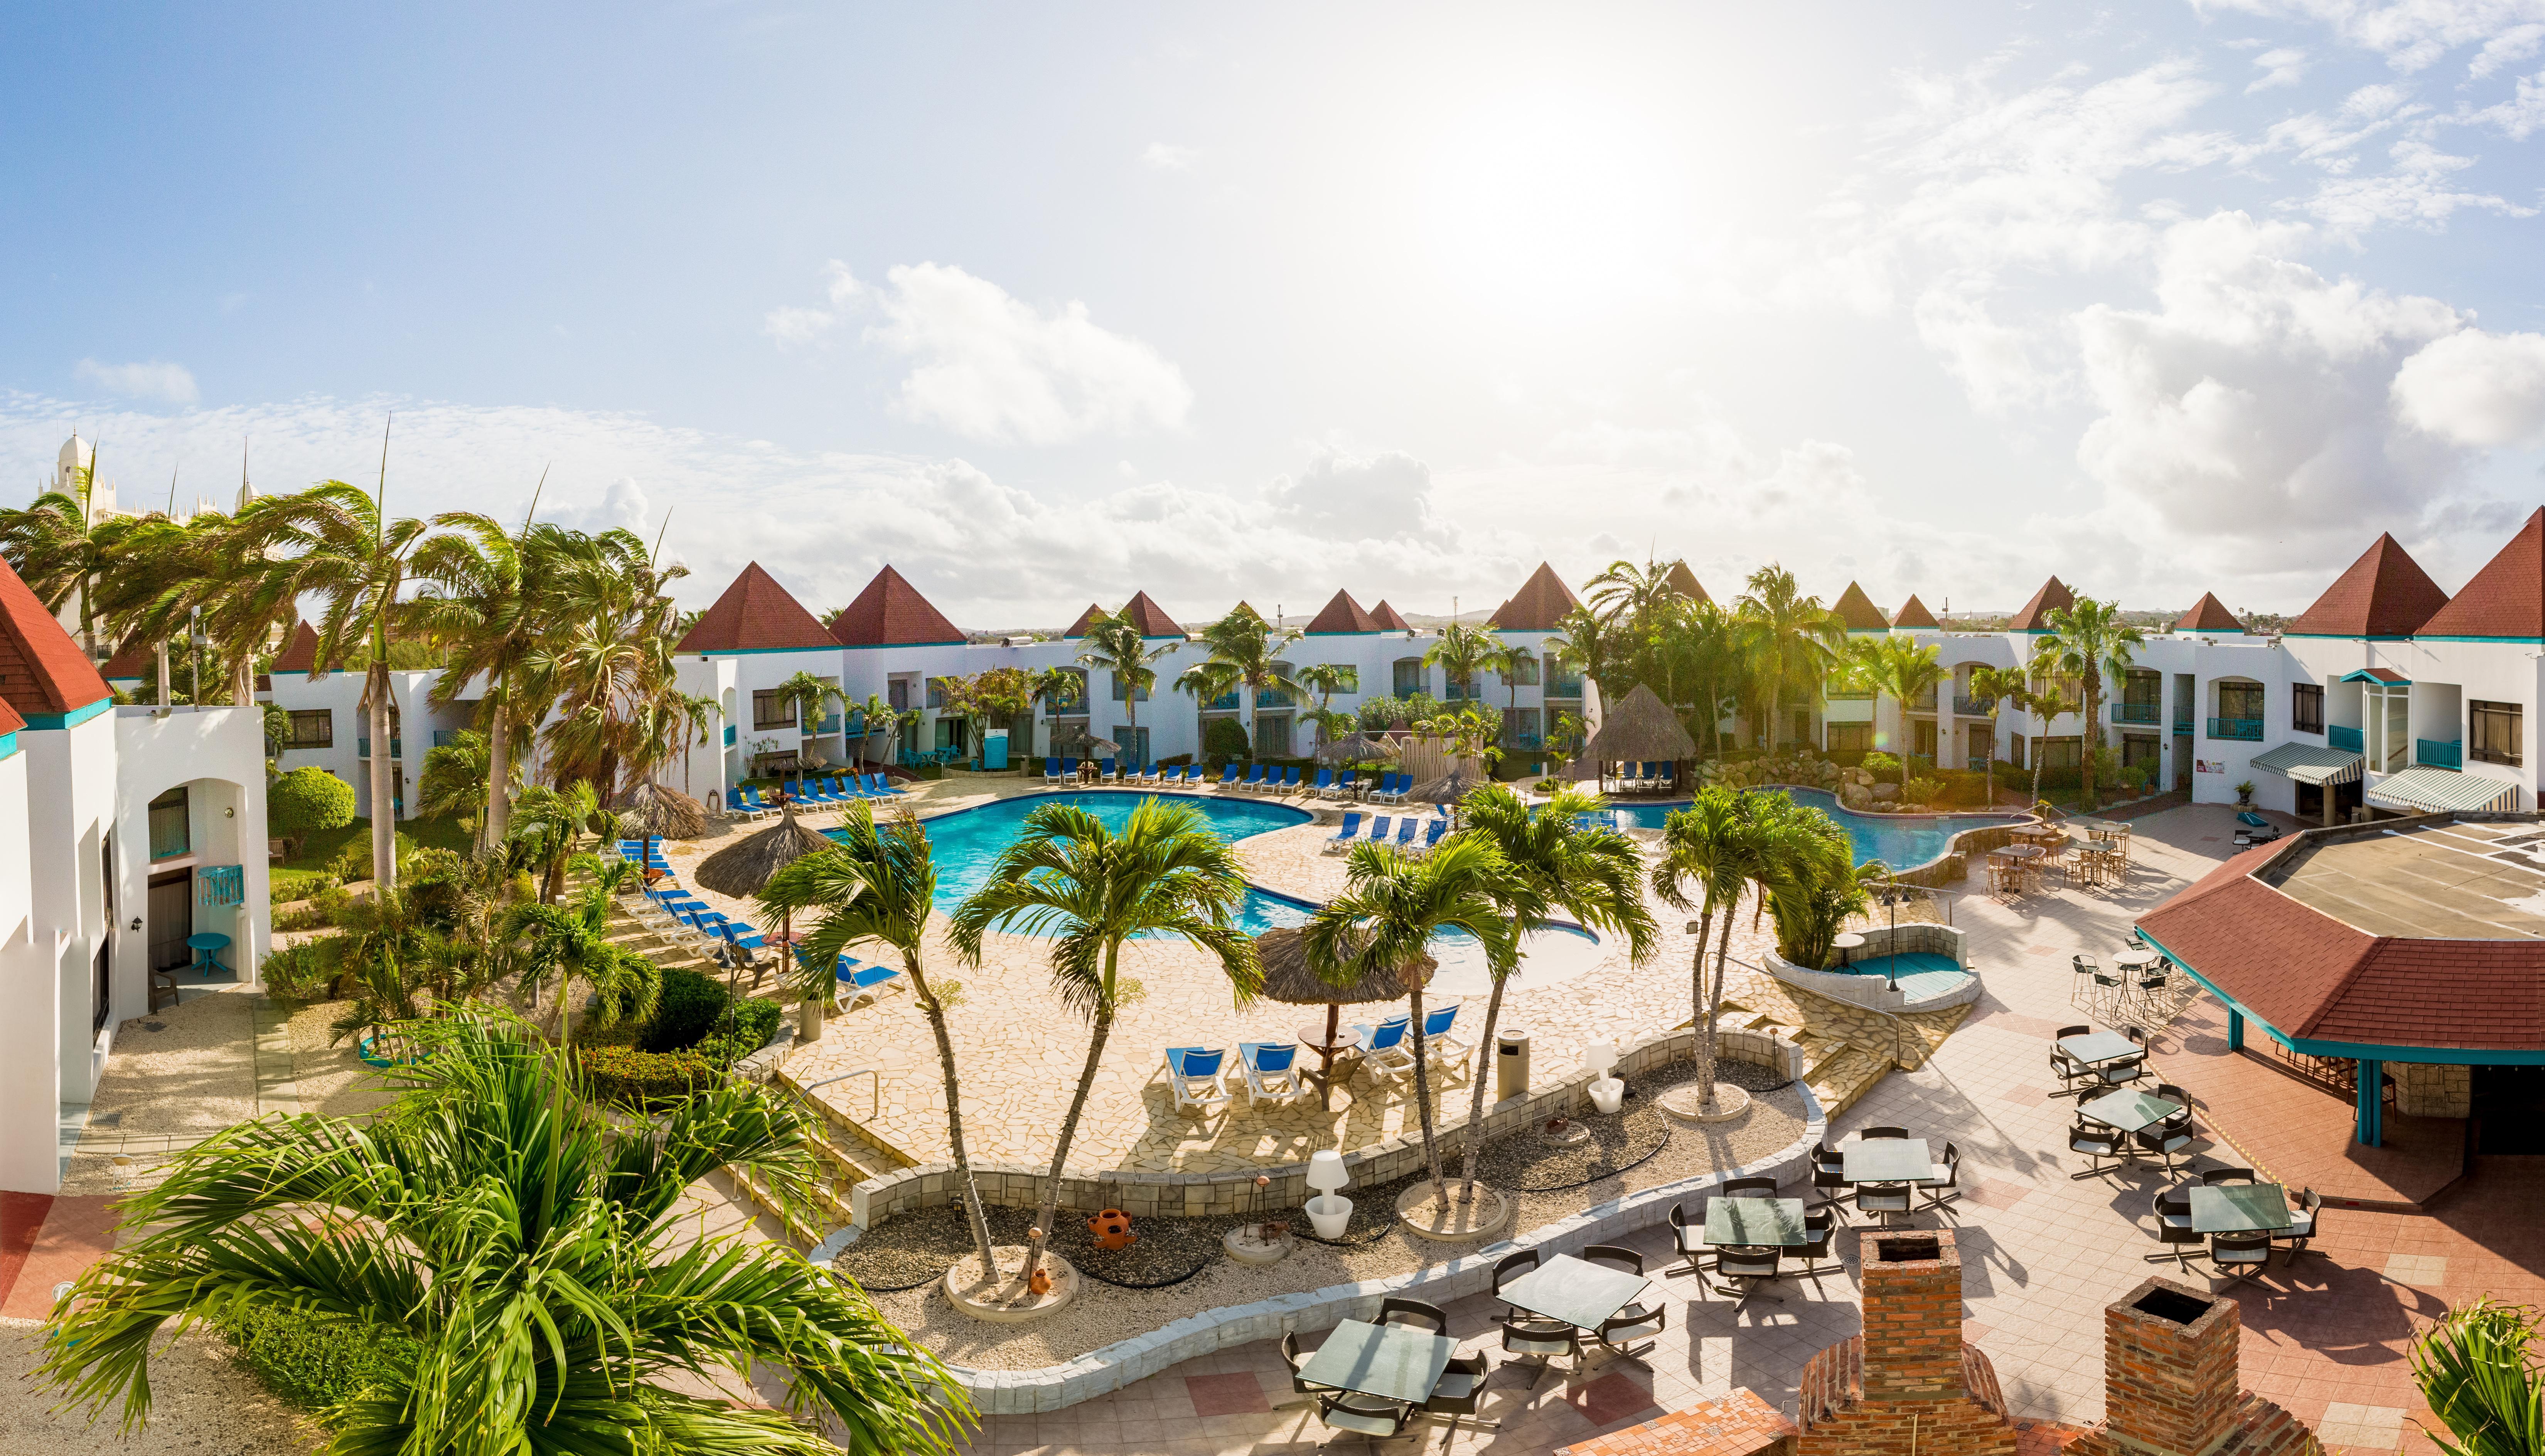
313,1361
687,1010
617,1074
296,884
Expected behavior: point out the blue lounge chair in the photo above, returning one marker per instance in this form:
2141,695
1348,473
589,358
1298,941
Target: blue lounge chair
1350,783
1193,778
1383,1049
1272,1071
1344,836
1392,787
1193,1073
882,787
1667,778
1290,779
1405,831
1439,1037
1378,829
843,793
1050,770
1433,829
1147,777
1325,782
1105,773
865,982
1069,771
1254,780
1228,776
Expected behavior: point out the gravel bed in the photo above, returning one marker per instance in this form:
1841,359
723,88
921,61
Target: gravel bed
202,1404
1101,1315
911,1249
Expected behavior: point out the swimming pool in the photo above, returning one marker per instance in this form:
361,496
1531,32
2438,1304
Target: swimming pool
968,842
1903,841
1920,974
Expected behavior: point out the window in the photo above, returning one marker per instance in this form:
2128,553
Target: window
2491,732
1121,690
1408,675
1524,671
773,710
1272,737
1850,738
2242,701
312,728
1352,677
937,692
168,835
2306,707
1519,728
2062,752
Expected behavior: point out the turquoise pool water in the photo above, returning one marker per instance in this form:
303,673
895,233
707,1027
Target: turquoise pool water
1922,973
1901,841
967,842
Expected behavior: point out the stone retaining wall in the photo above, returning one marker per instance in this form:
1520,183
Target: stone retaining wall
1150,1195
1874,992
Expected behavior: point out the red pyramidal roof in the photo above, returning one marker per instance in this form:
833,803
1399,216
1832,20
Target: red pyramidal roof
2384,593
1389,619
1683,582
890,612
1857,613
1151,617
2032,617
134,660
300,654
1538,605
1343,614
2209,614
1913,613
42,670
1086,620
755,615
2507,598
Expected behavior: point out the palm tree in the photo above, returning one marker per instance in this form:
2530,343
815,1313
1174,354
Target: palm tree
356,559
604,681
1069,877
2084,642
880,884
1904,670
572,941
536,1255
1391,906
1708,849
1326,678
1055,688
1114,643
1717,655
876,718
1793,637
1462,653
1554,863
1632,592
1207,683
1990,685
2047,705
1590,641
2477,1367
548,822
62,547
484,603
156,584
1249,647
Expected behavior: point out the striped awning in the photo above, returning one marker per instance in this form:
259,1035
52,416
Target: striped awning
2307,764
2421,790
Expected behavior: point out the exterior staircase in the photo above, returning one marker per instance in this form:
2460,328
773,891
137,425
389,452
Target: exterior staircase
846,1154
1838,1070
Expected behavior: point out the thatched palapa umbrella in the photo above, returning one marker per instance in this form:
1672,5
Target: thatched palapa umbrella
658,811
1451,786
1357,748
1290,980
1641,728
745,867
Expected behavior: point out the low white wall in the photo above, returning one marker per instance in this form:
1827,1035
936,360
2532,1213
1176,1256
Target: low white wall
1874,992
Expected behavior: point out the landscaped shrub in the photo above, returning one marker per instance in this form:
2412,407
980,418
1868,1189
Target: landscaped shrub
1881,766
1225,739
313,1361
617,1074
288,885
354,861
296,976
755,1020
688,1009
305,801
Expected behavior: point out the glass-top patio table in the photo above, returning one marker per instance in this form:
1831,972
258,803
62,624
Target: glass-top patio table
1394,1363
2097,1047
1580,1293
2240,1208
2128,1112
1887,1161
1755,1222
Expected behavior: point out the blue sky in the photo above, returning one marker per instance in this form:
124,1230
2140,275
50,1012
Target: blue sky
1045,306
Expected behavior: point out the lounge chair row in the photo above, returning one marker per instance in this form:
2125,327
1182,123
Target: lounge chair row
1269,1071
1650,778
817,793
1430,829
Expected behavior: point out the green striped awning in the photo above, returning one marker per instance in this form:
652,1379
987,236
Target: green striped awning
2422,789
2307,764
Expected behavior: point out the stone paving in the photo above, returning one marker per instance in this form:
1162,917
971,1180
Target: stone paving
2044,1251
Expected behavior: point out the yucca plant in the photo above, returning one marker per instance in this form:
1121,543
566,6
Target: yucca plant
2477,1367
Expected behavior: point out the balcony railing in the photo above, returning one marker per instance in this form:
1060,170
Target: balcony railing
445,737
1923,703
2345,738
398,747
2136,712
2237,730
829,724
728,735
1564,688
2449,754
1273,697
1846,694
1463,691
1974,707
1226,703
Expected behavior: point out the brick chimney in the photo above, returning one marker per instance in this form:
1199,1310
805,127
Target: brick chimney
2170,1385
1908,1383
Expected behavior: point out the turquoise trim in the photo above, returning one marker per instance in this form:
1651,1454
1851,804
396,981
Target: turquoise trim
756,651
8,746
1374,632
2352,1050
2449,639
71,719
2369,674
880,646
2350,636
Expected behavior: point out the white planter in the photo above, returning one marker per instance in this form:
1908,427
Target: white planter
1608,1092
1328,1213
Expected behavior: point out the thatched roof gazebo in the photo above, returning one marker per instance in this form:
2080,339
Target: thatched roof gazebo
745,867
1639,729
1450,787
1357,748
1289,979
658,811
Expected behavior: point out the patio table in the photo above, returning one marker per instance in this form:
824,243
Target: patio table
2138,960
207,946
2240,1208
2096,1048
1755,1222
2128,1112
1312,1036
1394,1363
1887,1161
1846,946
1576,1291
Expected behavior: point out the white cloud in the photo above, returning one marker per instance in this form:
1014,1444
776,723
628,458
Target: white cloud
1166,157
2000,365
2477,388
2506,50
2520,116
1386,494
2415,193
790,324
155,380
2284,66
2409,34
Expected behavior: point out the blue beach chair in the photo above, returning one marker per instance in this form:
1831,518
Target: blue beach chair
1050,770
1272,1071
1344,836
1193,1073
1383,1048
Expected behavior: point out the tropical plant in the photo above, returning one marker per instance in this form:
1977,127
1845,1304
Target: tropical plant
1631,594
571,943
308,801
453,780
1554,861
486,606
1461,653
603,679
880,883
1903,669
1808,868
876,718
1055,688
537,1256
803,695
1383,924
2477,1366
1709,852
549,824
400,967
1249,647
60,546
1326,678
1791,639
1114,643
2086,642
1990,687
2046,704
1090,889
1592,641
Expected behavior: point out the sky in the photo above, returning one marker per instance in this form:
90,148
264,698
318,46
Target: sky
1048,304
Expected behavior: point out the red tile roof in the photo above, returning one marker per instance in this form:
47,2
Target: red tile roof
1913,613
42,670
1685,582
2315,978
2507,598
1153,618
1389,619
754,614
1538,605
2033,618
2209,614
2384,593
890,612
1857,613
1085,619
300,654
1344,614
134,660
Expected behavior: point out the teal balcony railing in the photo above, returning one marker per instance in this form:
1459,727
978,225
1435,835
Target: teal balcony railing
2136,712
2237,730
1974,707
2348,739
2449,754
829,724
1846,694
728,735
1564,688
398,747
1273,697
1226,703
1462,691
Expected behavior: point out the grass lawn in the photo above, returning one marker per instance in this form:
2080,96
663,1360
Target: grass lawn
325,844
